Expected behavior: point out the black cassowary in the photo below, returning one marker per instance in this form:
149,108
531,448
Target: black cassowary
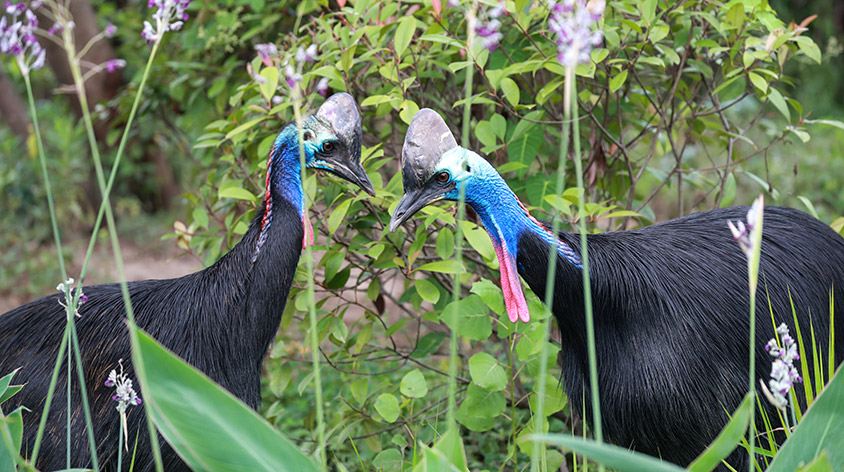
670,300
221,319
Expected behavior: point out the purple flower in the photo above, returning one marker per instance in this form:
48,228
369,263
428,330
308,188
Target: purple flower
292,77
306,55
489,32
276,100
742,233
17,37
322,86
113,65
572,23
783,373
124,392
169,15
110,30
266,52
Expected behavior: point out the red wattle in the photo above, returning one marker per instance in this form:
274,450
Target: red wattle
308,236
514,298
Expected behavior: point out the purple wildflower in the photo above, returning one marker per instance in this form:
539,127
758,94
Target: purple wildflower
572,22
742,232
276,100
170,15
113,65
110,30
292,77
322,86
307,55
783,373
124,392
266,51
17,37
489,32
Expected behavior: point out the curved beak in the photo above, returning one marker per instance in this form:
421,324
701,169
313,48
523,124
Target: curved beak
412,202
353,172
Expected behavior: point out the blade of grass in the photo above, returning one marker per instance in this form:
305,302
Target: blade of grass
550,281
309,266
461,215
584,257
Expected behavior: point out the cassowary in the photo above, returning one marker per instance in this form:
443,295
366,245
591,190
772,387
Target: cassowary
221,319
670,301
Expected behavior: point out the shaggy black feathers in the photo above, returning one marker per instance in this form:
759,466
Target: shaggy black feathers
221,320
671,320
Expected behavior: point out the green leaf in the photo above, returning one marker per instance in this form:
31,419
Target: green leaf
270,83
404,33
821,429
5,387
555,398
446,267
727,440
480,408
777,100
388,460
14,425
428,345
470,316
833,123
809,48
618,81
387,405
244,127
238,193
511,90
614,457
413,384
208,427
809,206
486,372
427,290
478,239
336,217
759,82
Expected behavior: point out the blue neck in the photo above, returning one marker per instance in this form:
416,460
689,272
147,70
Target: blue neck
504,217
285,177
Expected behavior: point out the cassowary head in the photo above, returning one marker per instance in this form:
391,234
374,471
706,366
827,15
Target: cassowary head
435,168
433,165
332,140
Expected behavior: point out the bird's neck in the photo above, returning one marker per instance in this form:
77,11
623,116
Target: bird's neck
283,185
253,280
507,220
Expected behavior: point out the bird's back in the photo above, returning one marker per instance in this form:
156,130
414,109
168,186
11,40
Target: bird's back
671,323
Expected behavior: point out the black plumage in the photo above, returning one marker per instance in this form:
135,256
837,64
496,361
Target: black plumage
671,304
221,319
671,320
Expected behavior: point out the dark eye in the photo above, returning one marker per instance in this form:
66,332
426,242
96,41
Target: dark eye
308,135
327,147
442,177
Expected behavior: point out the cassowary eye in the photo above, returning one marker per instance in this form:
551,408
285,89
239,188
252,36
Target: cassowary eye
442,177
327,147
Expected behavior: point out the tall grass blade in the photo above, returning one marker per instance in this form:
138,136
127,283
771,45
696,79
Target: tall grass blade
614,457
804,360
727,440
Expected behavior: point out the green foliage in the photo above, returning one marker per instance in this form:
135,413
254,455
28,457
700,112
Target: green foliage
208,427
687,106
821,431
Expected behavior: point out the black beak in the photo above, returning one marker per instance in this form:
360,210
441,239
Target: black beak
354,173
412,202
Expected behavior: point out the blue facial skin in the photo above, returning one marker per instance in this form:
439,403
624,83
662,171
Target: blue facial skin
498,208
287,170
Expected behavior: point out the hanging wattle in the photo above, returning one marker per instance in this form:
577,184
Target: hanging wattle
511,286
